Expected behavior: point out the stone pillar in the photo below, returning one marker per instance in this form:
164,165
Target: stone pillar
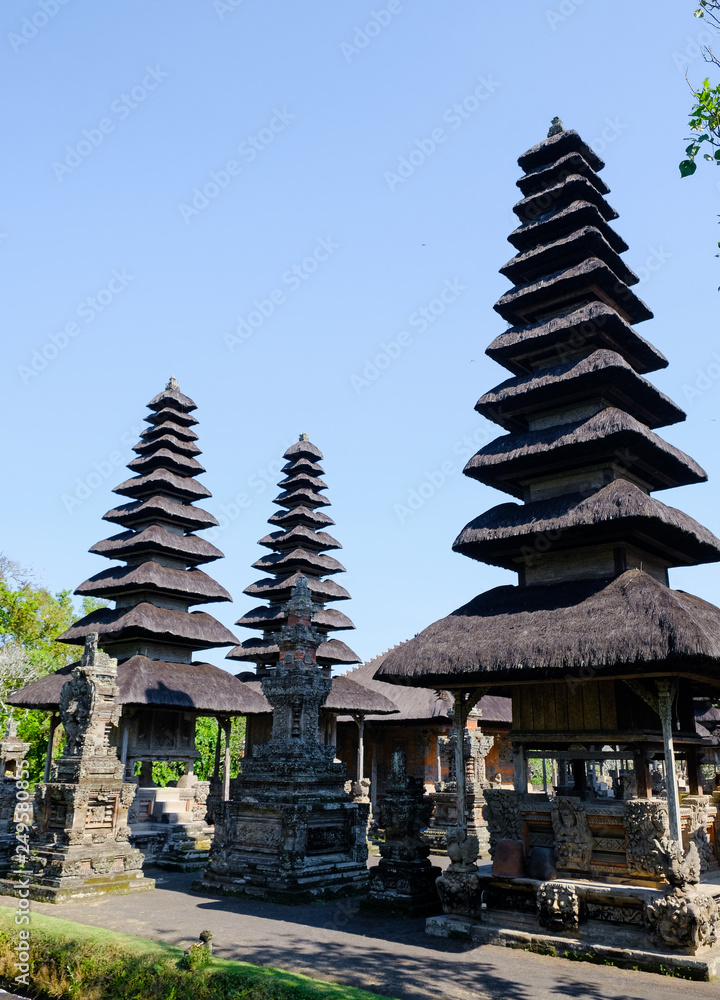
226,765
80,836
666,693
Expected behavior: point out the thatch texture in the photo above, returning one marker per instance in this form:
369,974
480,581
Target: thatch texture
558,224
171,414
333,652
173,399
172,427
550,257
272,618
194,629
156,538
293,498
621,511
201,687
196,586
163,482
572,332
170,441
572,187
300,561
299,535
303,449
165,458
279,590
162,509
556,146
611,436
301,515
602,374
630,626
543,177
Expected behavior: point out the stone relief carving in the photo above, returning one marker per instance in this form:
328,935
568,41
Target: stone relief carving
502,814
573,839
558,906
646,822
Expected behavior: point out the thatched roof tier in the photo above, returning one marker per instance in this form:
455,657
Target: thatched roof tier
161,510
601,375
301,480
573,249
199,687
551,149
300,561
168,427
302,465
620,512
299,535
528,303
562,223
421,704
169,413
609,438
193,629
161,482
571,334
333,652
164,458
301,497
542,178
156,539
301,515
572,187
279,590
273,618
303,449
175,444
631,626
173,399
346,695
119,581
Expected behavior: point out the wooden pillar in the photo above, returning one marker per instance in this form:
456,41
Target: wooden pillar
125,735
643,781
519,768
54,720
373,776
226,767
216,769
360,721
666,693
694,773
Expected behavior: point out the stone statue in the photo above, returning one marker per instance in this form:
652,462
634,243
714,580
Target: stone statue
558,906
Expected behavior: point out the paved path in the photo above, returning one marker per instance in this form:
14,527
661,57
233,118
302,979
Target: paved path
334,941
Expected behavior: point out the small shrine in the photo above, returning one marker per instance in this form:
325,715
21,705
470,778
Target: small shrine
153,634
603,660
290,832
80,840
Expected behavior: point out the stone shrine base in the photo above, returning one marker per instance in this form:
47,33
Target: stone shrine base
63,890
611,928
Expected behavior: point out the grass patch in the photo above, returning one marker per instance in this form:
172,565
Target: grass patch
69,961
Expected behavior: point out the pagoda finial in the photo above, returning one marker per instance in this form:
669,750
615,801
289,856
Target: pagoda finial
556,127
303,437
172,383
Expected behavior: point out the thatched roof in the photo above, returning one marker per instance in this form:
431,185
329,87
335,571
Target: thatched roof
172,398
170,426
346,695
527,302
194,629
159,440
172,414
418,704
193,584
619,512
572,187
299,560
165,483
303,465
546,176
294,498
272,618
302,536
165,458
333,652
301,480
303,449
156,538
555,147
608,436
558,224
279,590
161,509
301,515
577,330
602,374
630,626
191,686
576,246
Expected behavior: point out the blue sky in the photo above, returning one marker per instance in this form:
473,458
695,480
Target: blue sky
261,199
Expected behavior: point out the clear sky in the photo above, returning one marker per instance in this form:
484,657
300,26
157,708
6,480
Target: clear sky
175,169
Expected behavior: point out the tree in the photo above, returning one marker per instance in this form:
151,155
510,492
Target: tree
705,113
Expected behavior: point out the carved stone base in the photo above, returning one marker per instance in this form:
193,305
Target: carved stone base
404,887
187,848
689,920
459,894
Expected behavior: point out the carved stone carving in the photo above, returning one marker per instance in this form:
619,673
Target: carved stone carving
462,850
503,816
460,894
573,839
558,906
698,829
687,920
646,821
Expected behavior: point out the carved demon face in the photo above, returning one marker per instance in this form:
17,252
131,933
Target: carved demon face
558,906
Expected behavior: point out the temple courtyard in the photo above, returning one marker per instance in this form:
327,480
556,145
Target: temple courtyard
338,942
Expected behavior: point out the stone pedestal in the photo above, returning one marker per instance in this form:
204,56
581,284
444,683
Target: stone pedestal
290,832
80,838
404,880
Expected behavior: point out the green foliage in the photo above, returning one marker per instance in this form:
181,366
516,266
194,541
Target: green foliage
196,957
70,960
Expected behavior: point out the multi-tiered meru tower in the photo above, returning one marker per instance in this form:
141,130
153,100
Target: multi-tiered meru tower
290,831
601,656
